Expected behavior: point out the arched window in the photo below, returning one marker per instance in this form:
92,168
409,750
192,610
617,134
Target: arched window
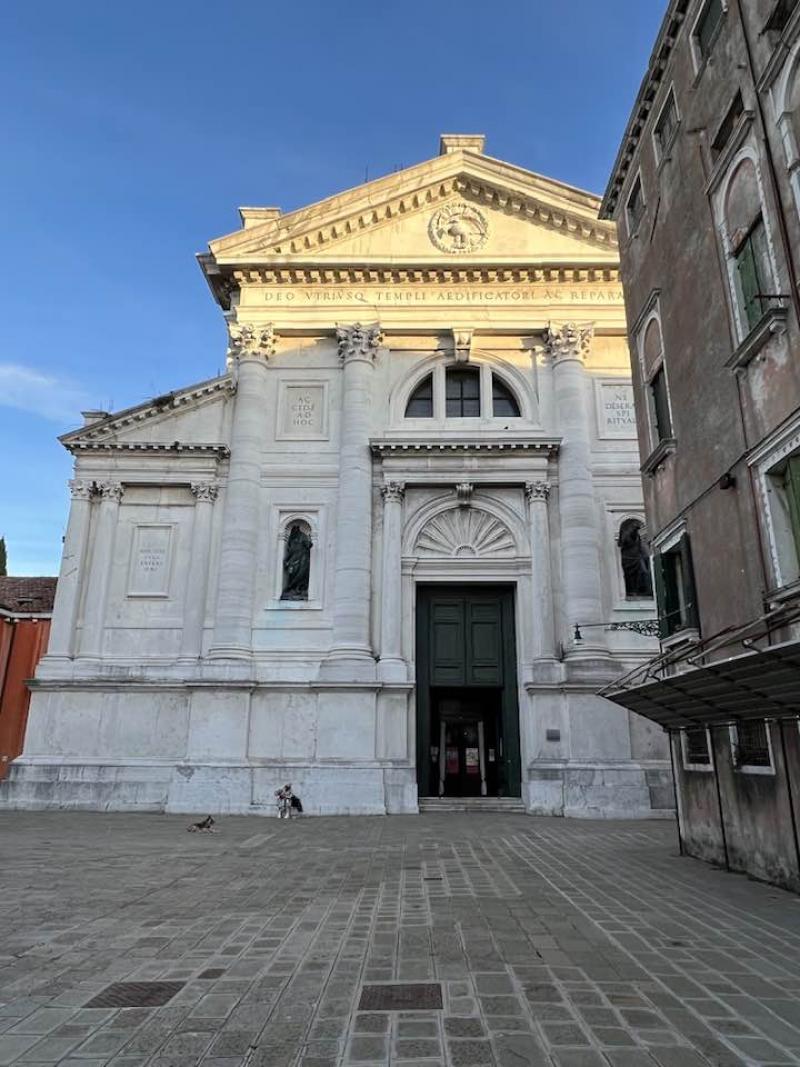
635,560
420,404
504,403
462,392
749,250
659,417
296,562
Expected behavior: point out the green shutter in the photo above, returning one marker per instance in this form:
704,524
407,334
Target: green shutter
661,405
791,483
749,282
692,617
661,595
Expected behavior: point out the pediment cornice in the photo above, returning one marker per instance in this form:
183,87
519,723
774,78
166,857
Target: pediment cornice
100,434
480,179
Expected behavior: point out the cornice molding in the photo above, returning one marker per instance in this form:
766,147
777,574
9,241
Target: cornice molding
668,35
549,445
177,447
102,430
342,274
485,193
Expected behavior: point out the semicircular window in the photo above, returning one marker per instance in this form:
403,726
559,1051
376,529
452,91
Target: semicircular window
504,403
420,404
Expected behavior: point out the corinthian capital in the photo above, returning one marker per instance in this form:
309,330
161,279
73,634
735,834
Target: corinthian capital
538,491
393,492
205,491
570,340
110,491
81,490
357,341
245,339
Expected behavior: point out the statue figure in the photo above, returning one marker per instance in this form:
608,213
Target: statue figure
635,560
296,564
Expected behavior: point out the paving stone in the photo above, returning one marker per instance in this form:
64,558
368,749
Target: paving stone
469,1053
12,1046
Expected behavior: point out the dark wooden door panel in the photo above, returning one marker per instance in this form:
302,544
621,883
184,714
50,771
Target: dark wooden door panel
447,642
484,651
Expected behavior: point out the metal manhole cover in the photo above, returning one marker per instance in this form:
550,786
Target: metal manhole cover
136,995
406,996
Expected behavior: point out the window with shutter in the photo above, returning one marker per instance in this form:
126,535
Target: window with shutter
707,26
666,126
791,485
663,419
675,590
752,271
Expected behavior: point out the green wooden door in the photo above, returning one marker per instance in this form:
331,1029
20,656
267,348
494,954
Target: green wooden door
466,639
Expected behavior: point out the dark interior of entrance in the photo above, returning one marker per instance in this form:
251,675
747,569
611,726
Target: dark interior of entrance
467,711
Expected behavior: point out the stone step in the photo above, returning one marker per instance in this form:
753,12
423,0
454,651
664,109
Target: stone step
507,805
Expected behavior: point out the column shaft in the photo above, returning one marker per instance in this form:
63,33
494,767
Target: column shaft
242,518
392,666
194,612
541,573
353,555
94,607
580,559
61,643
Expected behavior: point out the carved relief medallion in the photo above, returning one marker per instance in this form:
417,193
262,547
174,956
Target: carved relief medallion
459,228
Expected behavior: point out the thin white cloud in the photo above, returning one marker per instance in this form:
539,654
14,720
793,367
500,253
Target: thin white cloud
42,394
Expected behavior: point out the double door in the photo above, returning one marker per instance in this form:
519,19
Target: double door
467,710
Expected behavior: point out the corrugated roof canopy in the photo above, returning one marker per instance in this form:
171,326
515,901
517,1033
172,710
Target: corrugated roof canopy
759,685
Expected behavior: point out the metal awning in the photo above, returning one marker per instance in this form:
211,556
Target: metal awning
757,685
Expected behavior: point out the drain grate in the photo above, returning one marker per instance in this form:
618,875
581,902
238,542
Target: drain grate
405,996
136,995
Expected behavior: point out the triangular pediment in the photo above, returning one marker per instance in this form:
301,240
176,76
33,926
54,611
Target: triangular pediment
184,420
461,208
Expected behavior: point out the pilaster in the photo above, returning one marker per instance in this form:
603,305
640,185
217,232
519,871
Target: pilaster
351,657
205,493
392,667
94,607
567,346
61,643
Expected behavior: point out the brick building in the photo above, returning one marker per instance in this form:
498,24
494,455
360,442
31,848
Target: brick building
26,606
706,194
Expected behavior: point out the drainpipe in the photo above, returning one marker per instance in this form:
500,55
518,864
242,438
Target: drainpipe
788,777
672,734
719,801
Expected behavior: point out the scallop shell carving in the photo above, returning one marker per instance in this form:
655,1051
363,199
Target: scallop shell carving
465,533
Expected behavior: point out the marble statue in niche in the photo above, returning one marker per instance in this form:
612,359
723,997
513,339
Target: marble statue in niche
635,559
297,563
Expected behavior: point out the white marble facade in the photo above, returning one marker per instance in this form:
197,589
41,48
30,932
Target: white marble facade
178,679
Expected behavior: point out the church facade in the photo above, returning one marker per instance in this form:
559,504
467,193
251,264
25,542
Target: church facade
393,552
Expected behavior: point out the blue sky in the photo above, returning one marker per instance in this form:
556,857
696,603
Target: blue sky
133,131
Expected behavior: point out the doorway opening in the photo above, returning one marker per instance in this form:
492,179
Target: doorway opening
467,709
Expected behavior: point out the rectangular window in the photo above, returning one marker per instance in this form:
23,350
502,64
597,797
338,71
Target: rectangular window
463,393
791,487
677,600
666,126
659,397
751,259
751,745
696,751
635,206
707,26
724,133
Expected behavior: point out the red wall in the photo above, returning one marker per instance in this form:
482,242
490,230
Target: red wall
22,644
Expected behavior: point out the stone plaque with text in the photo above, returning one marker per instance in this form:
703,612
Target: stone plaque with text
617,415
150,561
302,411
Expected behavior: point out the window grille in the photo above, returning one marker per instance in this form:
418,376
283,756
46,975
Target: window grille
696,747
752,745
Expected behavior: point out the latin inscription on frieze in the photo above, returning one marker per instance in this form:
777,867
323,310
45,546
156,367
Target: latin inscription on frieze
397,296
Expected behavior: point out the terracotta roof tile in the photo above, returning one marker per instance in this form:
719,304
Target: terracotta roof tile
27,595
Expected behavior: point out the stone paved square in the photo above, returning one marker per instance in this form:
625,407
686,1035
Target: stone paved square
557,943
